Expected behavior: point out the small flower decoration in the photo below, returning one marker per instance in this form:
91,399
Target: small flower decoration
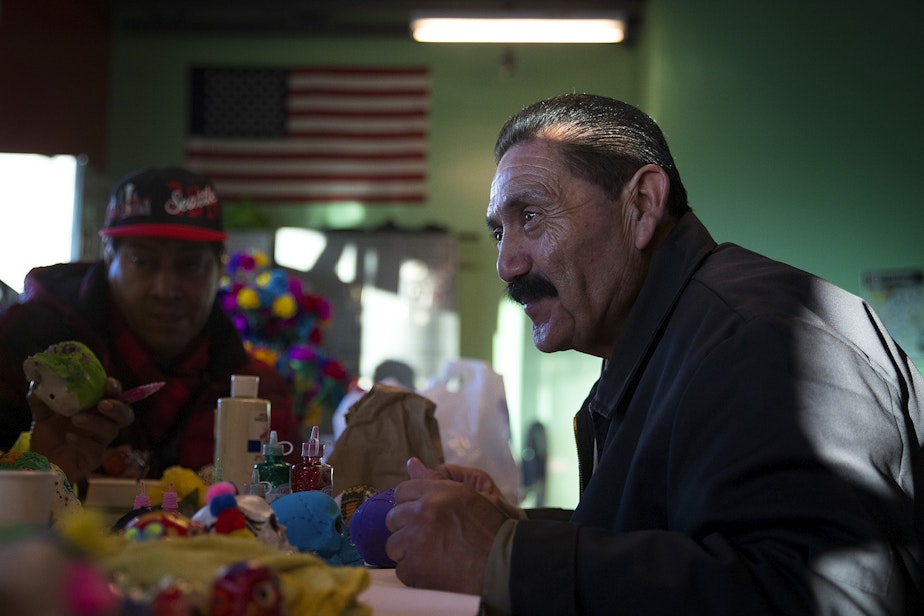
283,325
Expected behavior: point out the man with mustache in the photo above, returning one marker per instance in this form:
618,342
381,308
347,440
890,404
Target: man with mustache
754,444
148,311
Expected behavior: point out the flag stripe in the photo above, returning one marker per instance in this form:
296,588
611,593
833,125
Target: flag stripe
240,162
381,125
297,89
334,134
307,175
267,169
375,192
349,108
304,147
363,133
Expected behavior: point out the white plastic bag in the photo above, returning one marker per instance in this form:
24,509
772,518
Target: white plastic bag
471,409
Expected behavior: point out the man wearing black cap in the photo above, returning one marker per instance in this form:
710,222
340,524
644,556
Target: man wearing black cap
148,311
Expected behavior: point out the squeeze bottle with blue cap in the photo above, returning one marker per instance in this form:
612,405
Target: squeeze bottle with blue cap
242,423
275,472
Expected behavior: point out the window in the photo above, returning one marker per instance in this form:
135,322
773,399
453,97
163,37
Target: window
41,203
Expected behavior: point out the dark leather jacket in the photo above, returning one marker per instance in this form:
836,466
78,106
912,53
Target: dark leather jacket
759,452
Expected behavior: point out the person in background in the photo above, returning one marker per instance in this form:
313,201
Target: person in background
755,441
391,372
148,311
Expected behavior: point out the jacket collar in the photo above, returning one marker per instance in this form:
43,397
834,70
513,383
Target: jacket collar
677,260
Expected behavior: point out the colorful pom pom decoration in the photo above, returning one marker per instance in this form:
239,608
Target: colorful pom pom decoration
283,325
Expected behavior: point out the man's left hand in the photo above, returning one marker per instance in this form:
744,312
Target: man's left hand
77,443
442,532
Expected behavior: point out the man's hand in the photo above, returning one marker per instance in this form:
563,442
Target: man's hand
77,443
475,478
443,527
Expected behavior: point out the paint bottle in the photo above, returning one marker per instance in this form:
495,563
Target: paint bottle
275,472
255,487
241,425
311,473
170,500
142,500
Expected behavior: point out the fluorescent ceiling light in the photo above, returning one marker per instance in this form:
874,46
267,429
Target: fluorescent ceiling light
511,27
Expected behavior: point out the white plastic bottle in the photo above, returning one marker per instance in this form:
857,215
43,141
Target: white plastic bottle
242,424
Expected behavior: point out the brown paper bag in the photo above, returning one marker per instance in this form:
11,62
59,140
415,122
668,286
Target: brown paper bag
384,428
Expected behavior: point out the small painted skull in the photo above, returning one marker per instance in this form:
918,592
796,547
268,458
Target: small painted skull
314,525
246,588
262,521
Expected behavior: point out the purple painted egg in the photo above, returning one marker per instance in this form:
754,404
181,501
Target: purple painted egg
368,531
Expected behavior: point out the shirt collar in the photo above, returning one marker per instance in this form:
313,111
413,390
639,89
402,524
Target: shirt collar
675,263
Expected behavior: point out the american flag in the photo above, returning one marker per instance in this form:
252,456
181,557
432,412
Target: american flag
312,134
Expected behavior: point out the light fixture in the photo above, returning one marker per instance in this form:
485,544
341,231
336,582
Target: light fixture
516,27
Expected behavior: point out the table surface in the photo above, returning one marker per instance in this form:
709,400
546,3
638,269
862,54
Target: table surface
389,597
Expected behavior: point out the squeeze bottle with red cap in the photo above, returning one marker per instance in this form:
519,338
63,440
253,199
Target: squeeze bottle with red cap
311,473
241,426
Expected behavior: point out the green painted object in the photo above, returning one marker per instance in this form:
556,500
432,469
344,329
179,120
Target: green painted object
66,376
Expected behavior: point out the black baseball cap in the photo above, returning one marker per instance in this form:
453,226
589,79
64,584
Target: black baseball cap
169,202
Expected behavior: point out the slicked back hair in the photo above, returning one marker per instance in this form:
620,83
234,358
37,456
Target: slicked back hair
602,140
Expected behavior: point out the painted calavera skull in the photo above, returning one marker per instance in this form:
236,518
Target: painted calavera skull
262,521
314,525
66,376
246,588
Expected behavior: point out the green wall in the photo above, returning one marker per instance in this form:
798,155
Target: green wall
796,127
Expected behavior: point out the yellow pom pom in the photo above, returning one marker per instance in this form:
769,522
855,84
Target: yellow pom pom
260,259
185,481
285,306
263,279
248,299
267,356
86,530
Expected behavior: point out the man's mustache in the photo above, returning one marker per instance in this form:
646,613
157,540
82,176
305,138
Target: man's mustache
526,289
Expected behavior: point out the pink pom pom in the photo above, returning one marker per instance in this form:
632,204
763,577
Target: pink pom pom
295,287
217,489
87,592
